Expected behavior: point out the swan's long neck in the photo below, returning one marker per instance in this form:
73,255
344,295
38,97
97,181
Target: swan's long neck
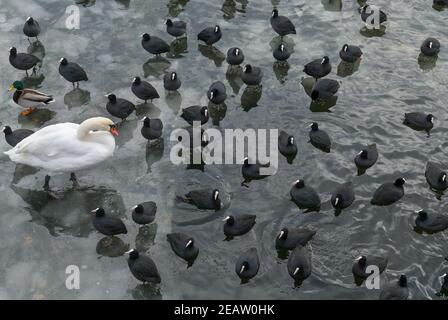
85,128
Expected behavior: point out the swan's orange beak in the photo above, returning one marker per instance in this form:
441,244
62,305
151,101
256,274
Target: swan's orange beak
114,131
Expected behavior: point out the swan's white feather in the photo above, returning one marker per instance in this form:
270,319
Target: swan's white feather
57,148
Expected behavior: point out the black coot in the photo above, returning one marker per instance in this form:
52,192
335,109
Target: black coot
431,222
287,144
144,90
247,265
251,171
238,225
176,28
436,177
419,120
31,28
22,61
350,53
171,81
235,56
319,138
195,113
118,107
288,239
299,263
396,290
142,267
152,128
361,264
183,246
72,72
430,47
204,199
281,53
367,157
154,45
210,35
303,196
281,24
144,213
343,196
107,225
368,10
388,193
324,88
251,76
217,92
14,137
318,68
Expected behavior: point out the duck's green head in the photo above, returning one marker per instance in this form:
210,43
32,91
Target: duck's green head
16,85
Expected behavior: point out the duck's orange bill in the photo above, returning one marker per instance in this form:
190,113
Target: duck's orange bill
114,131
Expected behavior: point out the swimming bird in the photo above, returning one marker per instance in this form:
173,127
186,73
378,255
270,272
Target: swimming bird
238,225
67,147
28,98
72,72
281,24
430,47
143,90
288,239
195,113
171,81
299,263
419,120
154,45
107,224
388,193
303,196
176,28
251,171
144,213
31,28
217,92
435,176
286,144
14,137
152,128
281,53
343,196
367,157
319,138
431,222
203,199
368,10
22,61
396,290
324,88
362,262
210,35
350,53
251,76
183,246
119,107
143,267
235,56
247,265
318,68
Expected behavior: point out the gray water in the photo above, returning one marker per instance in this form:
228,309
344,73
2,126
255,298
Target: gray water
40,237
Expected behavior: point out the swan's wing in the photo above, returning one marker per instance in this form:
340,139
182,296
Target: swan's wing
48,142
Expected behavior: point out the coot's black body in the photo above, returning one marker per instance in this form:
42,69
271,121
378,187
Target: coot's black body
14,137
350,53
106,224
22,61
154,45
367,157
143,267
195,113
299,263
343,196
171,81
303,196
361,264
143,90
71,71
183,246
396,290
238,225
118,107
31,28
210,35
247,265
431,222
318,68
388,193
419,120
288,239
144,213
152,128
281,24
436,177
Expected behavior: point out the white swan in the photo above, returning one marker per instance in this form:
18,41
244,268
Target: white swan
67,147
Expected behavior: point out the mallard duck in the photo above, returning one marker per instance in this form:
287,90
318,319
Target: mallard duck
28,98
